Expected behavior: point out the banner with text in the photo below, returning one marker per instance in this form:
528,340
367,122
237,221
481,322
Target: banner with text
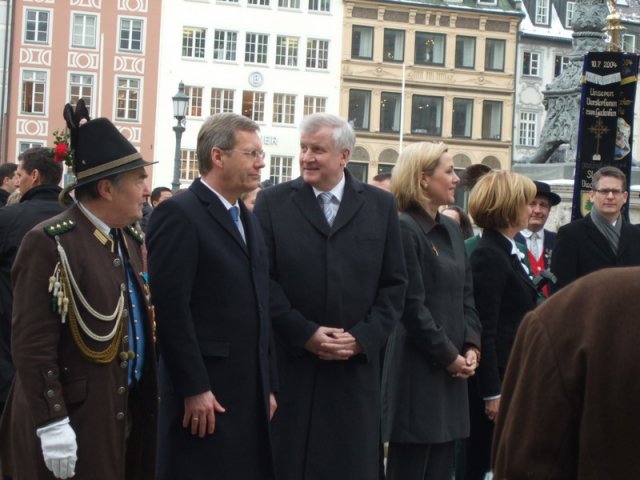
605,135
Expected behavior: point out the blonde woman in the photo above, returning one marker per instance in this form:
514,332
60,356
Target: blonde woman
504,293
435,347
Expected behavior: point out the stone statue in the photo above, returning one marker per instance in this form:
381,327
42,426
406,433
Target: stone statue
562,96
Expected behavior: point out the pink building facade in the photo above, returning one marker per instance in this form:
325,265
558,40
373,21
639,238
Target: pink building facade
105,51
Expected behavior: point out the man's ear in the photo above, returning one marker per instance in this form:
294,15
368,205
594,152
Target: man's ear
35,177
105,188
216,158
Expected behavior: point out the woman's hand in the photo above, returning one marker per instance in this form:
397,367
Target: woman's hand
459,368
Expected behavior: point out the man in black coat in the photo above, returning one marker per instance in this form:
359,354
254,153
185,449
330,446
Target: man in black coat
603,238
209,279
338,284
39,176
8,181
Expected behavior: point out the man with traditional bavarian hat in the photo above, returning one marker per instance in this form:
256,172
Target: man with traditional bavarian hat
539,240
84,396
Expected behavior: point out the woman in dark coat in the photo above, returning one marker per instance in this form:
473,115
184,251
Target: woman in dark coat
504,293
435,347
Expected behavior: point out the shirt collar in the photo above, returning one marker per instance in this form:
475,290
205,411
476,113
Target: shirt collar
526,233
224,201
337,191
514,249
100,225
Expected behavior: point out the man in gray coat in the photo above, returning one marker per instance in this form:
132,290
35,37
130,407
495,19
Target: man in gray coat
337,289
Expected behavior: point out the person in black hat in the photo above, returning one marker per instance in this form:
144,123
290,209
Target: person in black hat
84,396
540,241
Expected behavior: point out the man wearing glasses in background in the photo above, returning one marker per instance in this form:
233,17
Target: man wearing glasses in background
603,238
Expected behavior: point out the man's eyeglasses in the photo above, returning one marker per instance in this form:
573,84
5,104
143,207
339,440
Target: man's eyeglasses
606,191
254,154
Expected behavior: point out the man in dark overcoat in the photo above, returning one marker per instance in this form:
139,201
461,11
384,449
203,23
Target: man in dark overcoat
84,397
40,175
569,406
209,274
338,284
603,238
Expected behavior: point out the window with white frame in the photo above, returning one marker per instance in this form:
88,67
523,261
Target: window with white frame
393,45
491,120
494,55
195,101
314,105
628,43
258,2
284,108
224,45
320,5
318,54
280,169
256,46
81,86
193,42
430,48
287,51
84,30
560,63
253,105
289,3
465,52
128,99
222,100
570,12
36,29
24,146
189,170
530,63
131,34
542,12
528,121
34,87
361,42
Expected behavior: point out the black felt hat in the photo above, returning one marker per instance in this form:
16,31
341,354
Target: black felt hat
99,149
544,190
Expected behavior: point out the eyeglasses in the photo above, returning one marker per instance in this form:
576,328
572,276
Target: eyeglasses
606,191
254,154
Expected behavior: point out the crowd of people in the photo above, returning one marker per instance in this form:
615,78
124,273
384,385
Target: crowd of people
293,331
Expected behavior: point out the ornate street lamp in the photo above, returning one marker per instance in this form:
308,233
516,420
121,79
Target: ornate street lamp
180,104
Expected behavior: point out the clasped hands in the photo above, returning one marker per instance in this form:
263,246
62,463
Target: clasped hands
330,343
464,367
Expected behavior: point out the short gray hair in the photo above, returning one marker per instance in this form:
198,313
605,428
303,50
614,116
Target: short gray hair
343,135
220,131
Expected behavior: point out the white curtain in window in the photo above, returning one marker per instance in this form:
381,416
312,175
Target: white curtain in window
366,43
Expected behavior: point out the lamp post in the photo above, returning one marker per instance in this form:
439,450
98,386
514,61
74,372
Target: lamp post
180,104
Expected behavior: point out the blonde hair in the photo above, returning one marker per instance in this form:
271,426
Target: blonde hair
498,198
405,180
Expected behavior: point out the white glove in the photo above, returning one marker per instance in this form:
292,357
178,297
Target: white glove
59,448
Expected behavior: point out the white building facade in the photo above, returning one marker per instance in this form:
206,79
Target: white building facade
274,61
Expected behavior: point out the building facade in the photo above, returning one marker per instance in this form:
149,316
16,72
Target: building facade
273,61
104,51
431,70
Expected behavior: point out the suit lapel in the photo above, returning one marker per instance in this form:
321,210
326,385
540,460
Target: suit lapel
304,198
351,202
598,239
216,209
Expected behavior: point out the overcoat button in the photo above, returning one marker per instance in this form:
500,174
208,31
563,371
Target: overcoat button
121,390
50,393
116,262
50,373
124,364
119,416
57,407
